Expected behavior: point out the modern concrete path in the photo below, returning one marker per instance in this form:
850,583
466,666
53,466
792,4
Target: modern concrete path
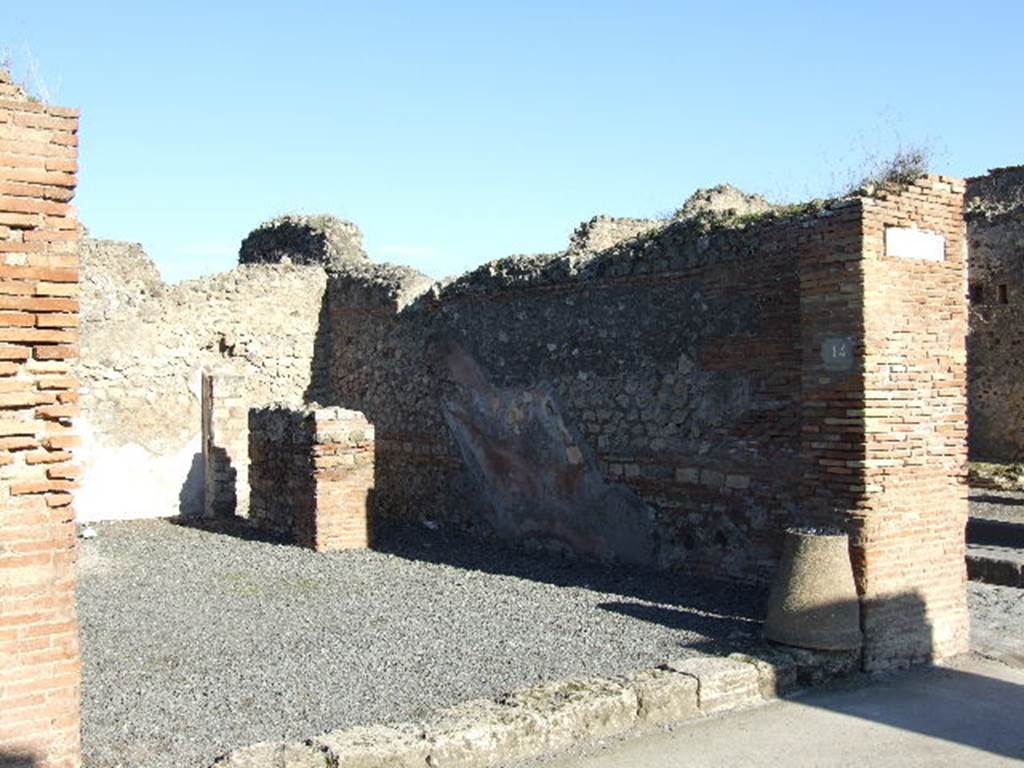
971,714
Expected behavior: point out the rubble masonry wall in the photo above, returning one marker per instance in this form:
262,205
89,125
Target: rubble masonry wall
995,346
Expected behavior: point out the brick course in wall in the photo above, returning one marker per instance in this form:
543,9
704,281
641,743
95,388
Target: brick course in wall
39,654
312,475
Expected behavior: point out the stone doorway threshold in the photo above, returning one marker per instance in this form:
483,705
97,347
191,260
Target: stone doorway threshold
550,717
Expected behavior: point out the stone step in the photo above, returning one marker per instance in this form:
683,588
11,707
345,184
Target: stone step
995,564
990,532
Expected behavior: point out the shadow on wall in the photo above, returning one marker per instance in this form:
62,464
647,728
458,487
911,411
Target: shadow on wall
191,495
539,479
452,445
319,388
219,499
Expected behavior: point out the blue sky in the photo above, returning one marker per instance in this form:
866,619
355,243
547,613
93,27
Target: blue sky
456,133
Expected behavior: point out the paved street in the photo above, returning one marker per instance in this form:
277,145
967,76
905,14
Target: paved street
971,715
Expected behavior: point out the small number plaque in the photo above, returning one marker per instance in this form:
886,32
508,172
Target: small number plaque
837,353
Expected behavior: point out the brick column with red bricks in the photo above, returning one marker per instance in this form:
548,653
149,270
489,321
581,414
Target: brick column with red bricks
312,475
909,528
884,323
39,655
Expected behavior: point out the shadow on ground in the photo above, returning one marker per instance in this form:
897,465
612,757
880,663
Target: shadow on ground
949,704
740,606
235,527
16,760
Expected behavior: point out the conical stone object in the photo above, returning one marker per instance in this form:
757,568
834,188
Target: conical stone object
813,601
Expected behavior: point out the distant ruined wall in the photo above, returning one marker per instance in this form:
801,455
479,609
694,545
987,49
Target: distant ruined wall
120,279
723,202
603,232
995,235
676,400
144,346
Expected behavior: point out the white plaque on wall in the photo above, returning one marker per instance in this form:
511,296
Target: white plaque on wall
905,243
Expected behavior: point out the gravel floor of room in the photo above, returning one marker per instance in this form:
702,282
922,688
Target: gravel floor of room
997,612
197,642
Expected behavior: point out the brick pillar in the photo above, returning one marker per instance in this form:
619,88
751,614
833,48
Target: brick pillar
909,530
883,315
342,459
39,655
225,446
312,475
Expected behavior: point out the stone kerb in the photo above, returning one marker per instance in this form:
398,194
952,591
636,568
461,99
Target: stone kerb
552,716
312,475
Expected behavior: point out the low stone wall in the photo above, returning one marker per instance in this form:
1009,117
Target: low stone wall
311,475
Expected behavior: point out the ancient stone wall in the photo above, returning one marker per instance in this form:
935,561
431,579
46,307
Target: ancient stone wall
321,240
642,404
603,232
679,399
144,347
119,279
995,347
676,400
39,658
312,475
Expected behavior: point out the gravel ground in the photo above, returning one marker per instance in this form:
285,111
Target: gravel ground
195,642
997,621
997,612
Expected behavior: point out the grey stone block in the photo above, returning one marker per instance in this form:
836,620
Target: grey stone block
663,696
722,684
776,672
576,710
481,733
